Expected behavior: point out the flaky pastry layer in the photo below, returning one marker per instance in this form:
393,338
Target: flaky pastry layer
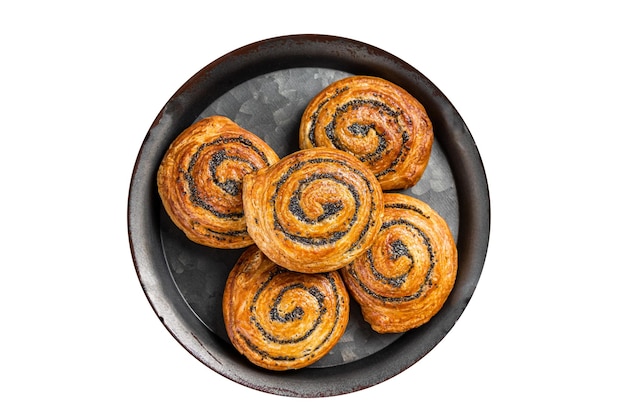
313,211
407,274
200,180
377,121
280,319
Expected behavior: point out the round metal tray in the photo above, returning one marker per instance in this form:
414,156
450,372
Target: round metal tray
264,87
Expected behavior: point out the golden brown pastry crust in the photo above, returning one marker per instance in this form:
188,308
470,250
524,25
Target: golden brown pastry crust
313,211
199,180
281,319
375,120
403,280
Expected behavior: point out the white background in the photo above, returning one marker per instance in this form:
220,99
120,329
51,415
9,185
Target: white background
540,86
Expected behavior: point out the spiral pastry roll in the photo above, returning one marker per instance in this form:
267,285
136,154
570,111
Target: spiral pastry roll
313,211
405,277
375,120
200,180
281,319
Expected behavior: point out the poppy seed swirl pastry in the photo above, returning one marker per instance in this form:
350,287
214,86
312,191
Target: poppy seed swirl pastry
313,211
407,274
280,319
375,120
199,180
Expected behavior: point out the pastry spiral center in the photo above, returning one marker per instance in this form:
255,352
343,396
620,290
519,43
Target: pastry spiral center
324,199
285,310
399,264
288,312
227,171
367,128
359,127
215,172
310,202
